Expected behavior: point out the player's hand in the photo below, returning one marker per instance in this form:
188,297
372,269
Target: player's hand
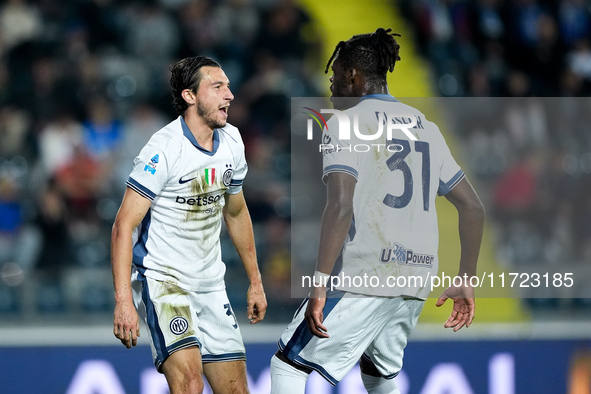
314,315
257,303
126,325
463,309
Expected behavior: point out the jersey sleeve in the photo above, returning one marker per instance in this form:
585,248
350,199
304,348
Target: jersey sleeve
337,156
240,170
450,173
151,168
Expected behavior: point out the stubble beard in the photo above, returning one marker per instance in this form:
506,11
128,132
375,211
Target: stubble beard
208,117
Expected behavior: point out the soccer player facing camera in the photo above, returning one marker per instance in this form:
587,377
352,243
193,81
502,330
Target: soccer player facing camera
380,210
166,254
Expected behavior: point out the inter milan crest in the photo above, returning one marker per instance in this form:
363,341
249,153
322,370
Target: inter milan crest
179,325
227,177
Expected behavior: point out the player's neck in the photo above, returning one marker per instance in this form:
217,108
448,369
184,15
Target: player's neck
363,86
200,130
381,89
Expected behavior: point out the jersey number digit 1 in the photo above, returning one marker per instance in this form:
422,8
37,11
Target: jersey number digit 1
396,162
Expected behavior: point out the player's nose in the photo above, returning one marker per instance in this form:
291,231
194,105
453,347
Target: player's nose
229,95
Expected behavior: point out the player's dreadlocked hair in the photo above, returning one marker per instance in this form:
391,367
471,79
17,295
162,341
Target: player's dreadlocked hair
186,74
374,54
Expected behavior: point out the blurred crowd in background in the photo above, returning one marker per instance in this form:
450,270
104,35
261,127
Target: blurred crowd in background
530,159
505,48
84,84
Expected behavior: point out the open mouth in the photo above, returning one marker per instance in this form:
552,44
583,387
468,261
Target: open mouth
224,111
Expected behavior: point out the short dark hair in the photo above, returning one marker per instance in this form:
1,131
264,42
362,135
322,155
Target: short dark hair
374,54
186,74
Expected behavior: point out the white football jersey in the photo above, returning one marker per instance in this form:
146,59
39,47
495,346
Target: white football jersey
394,235
178,240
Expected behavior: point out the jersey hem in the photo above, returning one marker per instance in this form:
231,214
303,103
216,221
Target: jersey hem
219,286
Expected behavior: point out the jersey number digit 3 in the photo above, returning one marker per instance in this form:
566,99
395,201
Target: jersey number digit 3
396,162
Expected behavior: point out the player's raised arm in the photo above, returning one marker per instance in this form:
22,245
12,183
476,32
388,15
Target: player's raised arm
132,211
336,222
239,227
471,224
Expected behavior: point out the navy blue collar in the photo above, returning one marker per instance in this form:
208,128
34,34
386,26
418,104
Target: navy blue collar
379,96
187,133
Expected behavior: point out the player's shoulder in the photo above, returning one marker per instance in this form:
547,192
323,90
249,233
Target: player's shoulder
382,103
424,123
404,108
169,137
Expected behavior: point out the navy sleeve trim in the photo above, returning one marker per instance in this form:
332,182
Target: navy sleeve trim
339,168
236,182
234,189
142,190
445,188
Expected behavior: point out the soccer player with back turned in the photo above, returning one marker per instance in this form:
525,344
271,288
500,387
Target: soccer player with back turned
379,220
166,254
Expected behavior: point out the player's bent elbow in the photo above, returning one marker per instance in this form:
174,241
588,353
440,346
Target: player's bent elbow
476,208
474,212
472,206
341,210
115,230
118,231
479,210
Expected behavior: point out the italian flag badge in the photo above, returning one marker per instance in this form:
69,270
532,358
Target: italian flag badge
210,176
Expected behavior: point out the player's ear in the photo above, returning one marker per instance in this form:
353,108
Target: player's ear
189,96
357,81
